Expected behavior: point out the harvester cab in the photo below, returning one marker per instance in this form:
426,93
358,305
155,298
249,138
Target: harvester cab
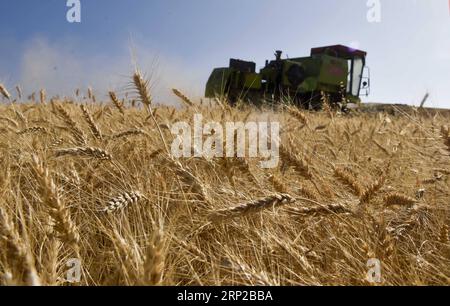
338,71
358,75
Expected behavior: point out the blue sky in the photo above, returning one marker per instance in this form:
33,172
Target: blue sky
179,42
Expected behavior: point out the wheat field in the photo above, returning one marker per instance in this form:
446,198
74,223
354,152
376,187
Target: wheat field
94,182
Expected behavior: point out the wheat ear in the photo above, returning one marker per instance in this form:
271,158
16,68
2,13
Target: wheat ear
122,201
90,121
133,132
43,96
251,207
142,87
154,262
277,184
294,112
116,102
88,152
183,98
189,179
349,180
372,190
21,117
19,92
77,133
20,252
300,165
5,92
398,199
308,192
32,130
64,225
327,209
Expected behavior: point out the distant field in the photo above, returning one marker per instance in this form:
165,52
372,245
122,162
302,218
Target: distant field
402,108
94,182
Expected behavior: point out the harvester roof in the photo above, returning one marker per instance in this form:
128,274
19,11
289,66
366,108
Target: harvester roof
339,51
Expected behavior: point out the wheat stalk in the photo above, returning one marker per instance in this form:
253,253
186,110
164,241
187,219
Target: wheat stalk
19,92
129,259
189,179
300,116
77,133
192,249
326,209
349,180
183,98
133,132
4,92
43,96
64,225
20,253
277,184
122,201
90,121
51,262
91,94
300,165
308,192
154,262
21,117
398,199
116,102
88,152
251,207
32,130
381,147
143,89
372,189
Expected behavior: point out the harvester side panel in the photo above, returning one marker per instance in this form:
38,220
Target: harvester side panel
218,82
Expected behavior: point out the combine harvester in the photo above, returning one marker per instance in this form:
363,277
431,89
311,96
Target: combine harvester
339,72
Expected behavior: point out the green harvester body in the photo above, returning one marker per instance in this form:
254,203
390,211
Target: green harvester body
336,71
